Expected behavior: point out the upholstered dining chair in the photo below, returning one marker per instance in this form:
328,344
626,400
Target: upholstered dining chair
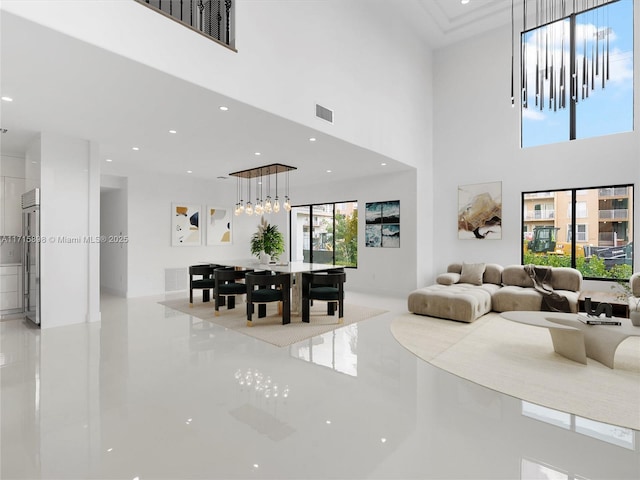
270,288
325,286
229,282
201,278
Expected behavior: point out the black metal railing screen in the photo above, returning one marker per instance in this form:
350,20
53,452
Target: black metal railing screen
213,18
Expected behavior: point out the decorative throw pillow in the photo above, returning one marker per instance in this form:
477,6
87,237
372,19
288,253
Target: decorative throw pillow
448,278
472,273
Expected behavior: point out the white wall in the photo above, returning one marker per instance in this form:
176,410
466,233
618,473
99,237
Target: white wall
384,270
149,225
380,270
114,225
477,140
354,57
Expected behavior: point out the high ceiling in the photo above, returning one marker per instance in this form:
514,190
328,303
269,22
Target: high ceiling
62,93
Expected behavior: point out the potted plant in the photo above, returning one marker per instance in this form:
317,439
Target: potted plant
267,243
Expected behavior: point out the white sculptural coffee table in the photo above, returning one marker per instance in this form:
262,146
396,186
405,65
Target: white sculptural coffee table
575,340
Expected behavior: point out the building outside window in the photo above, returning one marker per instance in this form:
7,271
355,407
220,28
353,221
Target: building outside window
600,245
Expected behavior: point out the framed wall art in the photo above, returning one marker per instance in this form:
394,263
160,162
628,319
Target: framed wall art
219,225
185,225
480,211
382,224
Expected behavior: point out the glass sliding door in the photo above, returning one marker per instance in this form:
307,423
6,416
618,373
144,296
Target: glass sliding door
322,228
325,233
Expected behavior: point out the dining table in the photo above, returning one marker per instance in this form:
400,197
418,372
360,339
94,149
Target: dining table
295,269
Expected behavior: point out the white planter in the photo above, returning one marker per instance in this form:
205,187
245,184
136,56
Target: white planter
265,258
635,318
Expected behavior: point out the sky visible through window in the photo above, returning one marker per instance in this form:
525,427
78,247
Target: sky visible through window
605,111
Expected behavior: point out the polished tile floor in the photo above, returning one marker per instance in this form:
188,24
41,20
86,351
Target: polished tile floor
153,393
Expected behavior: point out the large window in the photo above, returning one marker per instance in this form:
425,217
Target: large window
577,75
325,233
598,229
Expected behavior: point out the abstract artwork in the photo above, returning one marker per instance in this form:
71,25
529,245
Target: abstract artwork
382,224
185,225
480,211
218,226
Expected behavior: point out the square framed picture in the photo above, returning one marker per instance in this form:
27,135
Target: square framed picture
382,224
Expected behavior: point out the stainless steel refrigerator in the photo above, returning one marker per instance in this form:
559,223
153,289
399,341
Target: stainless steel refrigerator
31,254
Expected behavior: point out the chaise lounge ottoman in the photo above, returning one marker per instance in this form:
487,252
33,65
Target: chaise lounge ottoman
457,296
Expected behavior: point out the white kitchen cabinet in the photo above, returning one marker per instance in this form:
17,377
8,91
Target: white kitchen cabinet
13,188
10,287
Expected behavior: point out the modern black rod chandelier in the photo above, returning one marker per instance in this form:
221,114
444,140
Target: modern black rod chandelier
561,58
262,175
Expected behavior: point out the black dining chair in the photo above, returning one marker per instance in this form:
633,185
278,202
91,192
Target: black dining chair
201,278
325,286
270,288
229,282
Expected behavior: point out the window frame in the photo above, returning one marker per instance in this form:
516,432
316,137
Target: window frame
575,192
310,206
573,90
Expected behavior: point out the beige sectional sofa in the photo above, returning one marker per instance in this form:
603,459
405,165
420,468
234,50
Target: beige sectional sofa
468,291
634,298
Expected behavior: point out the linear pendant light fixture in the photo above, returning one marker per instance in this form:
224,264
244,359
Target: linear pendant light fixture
563,59
261,175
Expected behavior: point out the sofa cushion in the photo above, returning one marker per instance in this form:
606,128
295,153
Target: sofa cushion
472,273
513,297
517,276
448,278
565,278
493,274
462,302
634,283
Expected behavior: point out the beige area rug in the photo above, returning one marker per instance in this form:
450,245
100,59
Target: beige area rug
270,329
519,360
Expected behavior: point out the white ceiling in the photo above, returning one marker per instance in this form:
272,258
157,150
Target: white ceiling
61,92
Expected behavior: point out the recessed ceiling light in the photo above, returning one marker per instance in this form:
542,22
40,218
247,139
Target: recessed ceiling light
384,440
108,160
383,164
135,148
257,154
464,2
172,131
223,108
328,171
189,171
7,99
312,139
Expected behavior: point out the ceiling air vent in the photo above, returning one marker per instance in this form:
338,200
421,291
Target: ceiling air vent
324,113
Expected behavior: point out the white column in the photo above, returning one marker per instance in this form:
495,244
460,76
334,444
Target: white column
93,311
64,227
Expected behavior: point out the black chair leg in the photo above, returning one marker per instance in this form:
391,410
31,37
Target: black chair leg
231,303
262,310
205,295
331,308
305,310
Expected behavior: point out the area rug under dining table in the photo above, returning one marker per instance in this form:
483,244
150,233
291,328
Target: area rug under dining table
270,329
519,360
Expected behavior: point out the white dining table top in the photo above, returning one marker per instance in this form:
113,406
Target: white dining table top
289,267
